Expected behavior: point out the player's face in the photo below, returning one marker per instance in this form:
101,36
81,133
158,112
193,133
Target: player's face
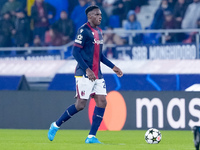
95,17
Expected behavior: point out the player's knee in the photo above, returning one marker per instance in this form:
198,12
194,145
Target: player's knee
102,103
80,104
80,107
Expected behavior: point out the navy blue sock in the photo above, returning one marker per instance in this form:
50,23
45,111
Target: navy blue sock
96,120
69,112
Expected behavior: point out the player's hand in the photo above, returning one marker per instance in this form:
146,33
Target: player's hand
90,74
118,71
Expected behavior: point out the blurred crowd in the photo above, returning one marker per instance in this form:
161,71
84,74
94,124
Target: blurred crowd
25,23
176,14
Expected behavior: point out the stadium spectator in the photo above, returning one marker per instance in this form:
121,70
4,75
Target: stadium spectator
2,2
129,5
179,12
72,5
41,12
22,29
171,4
119,10
108,6
132,24
6,30
142,2
29,6
139,3
192,14
78,17
53,37
88,1
192,35
169,23
188,1
99,2
198,23
112,39
65,26
24,4
159,15
11,6
60,5
37,41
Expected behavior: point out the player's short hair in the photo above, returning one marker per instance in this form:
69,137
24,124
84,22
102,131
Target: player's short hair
90,8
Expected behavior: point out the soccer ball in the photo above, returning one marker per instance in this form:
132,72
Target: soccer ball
153,136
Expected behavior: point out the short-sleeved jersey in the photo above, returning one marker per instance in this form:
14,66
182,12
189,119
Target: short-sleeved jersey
90,41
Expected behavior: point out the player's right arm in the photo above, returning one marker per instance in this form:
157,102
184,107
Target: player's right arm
78,47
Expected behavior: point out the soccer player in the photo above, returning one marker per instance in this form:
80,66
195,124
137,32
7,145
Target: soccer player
87,51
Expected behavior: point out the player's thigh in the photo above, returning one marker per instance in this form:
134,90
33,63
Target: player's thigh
83,87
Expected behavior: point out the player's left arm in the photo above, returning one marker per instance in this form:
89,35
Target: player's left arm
108,63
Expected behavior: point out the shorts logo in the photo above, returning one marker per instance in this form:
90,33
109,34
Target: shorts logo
82,93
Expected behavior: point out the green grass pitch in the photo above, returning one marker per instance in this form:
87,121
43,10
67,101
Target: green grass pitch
74,140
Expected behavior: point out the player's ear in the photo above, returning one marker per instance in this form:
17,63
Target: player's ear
89,15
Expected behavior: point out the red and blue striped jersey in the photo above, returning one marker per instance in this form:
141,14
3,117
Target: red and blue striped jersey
87,51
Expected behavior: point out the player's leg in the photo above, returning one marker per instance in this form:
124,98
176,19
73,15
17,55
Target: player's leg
97,118
100,99
69,112
98,113
83,91
82,94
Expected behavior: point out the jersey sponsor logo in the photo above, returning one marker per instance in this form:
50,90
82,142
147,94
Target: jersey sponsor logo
97,42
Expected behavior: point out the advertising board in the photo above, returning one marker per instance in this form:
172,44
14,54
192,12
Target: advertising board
125,110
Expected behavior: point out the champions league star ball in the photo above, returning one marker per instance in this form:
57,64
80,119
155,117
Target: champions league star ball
153,136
